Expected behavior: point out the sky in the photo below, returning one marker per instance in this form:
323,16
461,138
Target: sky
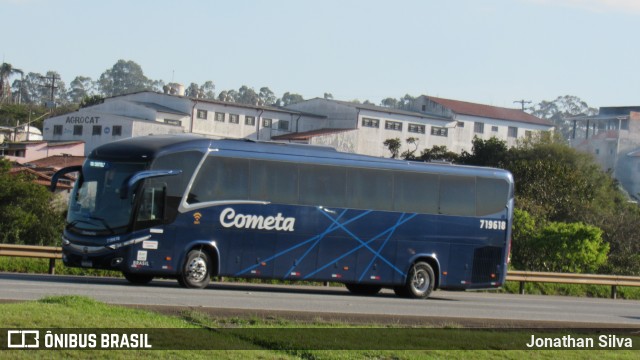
492,52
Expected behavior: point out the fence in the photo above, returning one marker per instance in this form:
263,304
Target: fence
53,253
564,278
42,252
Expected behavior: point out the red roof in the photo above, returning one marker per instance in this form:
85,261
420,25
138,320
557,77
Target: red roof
308,134
58,161
487,111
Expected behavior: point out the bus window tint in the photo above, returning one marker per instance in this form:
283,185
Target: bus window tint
492,196
457,195
221,179
415,193
274,181
322,185
369,189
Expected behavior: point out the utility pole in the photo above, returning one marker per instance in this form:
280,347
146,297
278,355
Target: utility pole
53,87
522,102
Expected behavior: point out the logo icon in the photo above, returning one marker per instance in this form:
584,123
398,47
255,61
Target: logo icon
22,339
196,218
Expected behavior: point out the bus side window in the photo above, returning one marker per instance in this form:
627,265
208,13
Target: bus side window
492,196
274,181
369,189
415,192
221,178
322,185
457,195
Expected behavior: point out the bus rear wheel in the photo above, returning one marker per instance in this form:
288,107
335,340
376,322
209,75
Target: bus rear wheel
196,271
420,282
363,289
137,279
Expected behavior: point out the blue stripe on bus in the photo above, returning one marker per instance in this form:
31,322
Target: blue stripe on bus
363,244
328,230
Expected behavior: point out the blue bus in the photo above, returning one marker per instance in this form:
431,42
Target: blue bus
190,208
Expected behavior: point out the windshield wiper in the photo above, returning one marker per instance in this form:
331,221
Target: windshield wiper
103,221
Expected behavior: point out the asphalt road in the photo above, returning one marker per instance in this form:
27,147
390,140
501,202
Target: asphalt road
465,308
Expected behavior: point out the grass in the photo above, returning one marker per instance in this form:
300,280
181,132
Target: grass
262,338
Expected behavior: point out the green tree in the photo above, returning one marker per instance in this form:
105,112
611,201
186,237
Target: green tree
492,152
289,98
394,146
410,154
123,78
556,246
439,153
560,110
80,88
267,97
26,213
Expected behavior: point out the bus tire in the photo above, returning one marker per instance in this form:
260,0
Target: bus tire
196,272
420,282
137,279
363,289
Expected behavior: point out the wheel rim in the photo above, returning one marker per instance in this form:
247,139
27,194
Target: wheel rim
197,269
420,281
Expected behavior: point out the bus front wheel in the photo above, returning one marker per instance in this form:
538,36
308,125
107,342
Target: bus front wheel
196,271
420,282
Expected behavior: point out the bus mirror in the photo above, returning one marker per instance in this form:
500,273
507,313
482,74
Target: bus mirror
59,173
128,184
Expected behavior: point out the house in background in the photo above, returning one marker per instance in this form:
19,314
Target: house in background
28,151
613,138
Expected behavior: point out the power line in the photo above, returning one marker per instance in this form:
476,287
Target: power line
522,102
53,87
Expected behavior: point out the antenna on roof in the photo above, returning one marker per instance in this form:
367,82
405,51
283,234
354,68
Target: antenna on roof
522,102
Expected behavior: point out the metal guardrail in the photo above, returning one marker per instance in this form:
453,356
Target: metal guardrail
565,278
43,252
53,253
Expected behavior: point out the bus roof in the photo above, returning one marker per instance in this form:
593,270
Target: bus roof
146,148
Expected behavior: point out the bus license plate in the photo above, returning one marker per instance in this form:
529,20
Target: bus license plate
86,263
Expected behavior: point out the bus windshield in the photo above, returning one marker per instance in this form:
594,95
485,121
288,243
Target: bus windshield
95,206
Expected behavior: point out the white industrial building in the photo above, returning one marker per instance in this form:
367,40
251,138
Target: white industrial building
350,127
146,113
363,128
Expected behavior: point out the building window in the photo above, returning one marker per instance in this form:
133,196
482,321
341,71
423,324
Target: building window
528,134
219,117
415,128
117,130
173,122
202,114
97,130
460,124
624,124
512,132
283,125
368,122
597,151
57,129
393,125
250,120
267,122
424,107
478,128
234,118
494,129
439,131
77,129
